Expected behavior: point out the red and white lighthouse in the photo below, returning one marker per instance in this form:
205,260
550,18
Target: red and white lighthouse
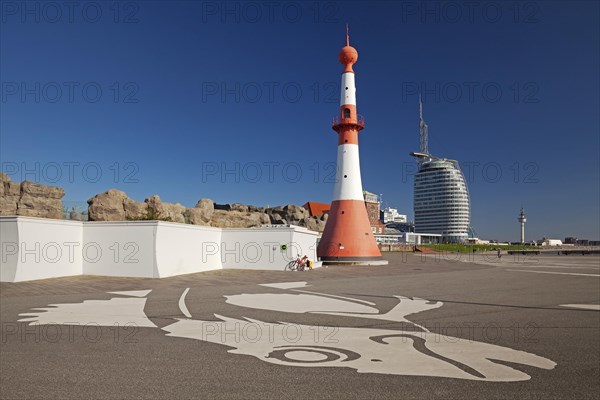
348,237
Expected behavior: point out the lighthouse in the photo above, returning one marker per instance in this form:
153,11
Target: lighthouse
348,238
522,221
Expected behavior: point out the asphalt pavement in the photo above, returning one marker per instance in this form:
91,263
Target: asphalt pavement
437,326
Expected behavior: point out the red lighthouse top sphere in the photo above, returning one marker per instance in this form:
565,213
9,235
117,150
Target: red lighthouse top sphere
348,55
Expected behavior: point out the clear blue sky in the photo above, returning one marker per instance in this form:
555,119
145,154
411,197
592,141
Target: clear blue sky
191,90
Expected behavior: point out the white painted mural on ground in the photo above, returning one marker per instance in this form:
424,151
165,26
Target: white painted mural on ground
123,311
412,350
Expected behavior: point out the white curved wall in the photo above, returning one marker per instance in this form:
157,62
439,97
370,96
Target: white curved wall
9,249
38,248
119,248
185,249
149,249
261,248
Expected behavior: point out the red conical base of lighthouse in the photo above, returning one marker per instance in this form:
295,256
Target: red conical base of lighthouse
348,237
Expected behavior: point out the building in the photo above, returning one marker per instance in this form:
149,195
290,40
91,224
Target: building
550,242
580,242
402,226
389,215
409,238
570,240
317,209
441,198
474,240
372,205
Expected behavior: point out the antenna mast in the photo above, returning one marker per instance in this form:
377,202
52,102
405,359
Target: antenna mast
423,130
347,36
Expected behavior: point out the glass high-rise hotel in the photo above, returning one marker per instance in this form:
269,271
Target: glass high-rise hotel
441,199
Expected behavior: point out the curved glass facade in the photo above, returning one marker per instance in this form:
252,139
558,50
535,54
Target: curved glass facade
441,200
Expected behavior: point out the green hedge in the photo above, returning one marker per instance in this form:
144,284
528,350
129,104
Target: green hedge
468,248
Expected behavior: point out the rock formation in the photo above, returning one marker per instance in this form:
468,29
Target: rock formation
30,199
316,223
165,211
202,213
33,199
108,206
296,215
238,219
115,205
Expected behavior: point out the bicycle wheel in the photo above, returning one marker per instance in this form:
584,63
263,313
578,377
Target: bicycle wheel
291,266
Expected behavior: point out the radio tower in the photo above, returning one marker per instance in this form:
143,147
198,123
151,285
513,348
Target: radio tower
348,237
521,218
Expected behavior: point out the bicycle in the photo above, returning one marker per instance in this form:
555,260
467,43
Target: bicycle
299,264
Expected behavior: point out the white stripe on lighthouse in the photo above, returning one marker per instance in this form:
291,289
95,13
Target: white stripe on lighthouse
348,185
348,93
